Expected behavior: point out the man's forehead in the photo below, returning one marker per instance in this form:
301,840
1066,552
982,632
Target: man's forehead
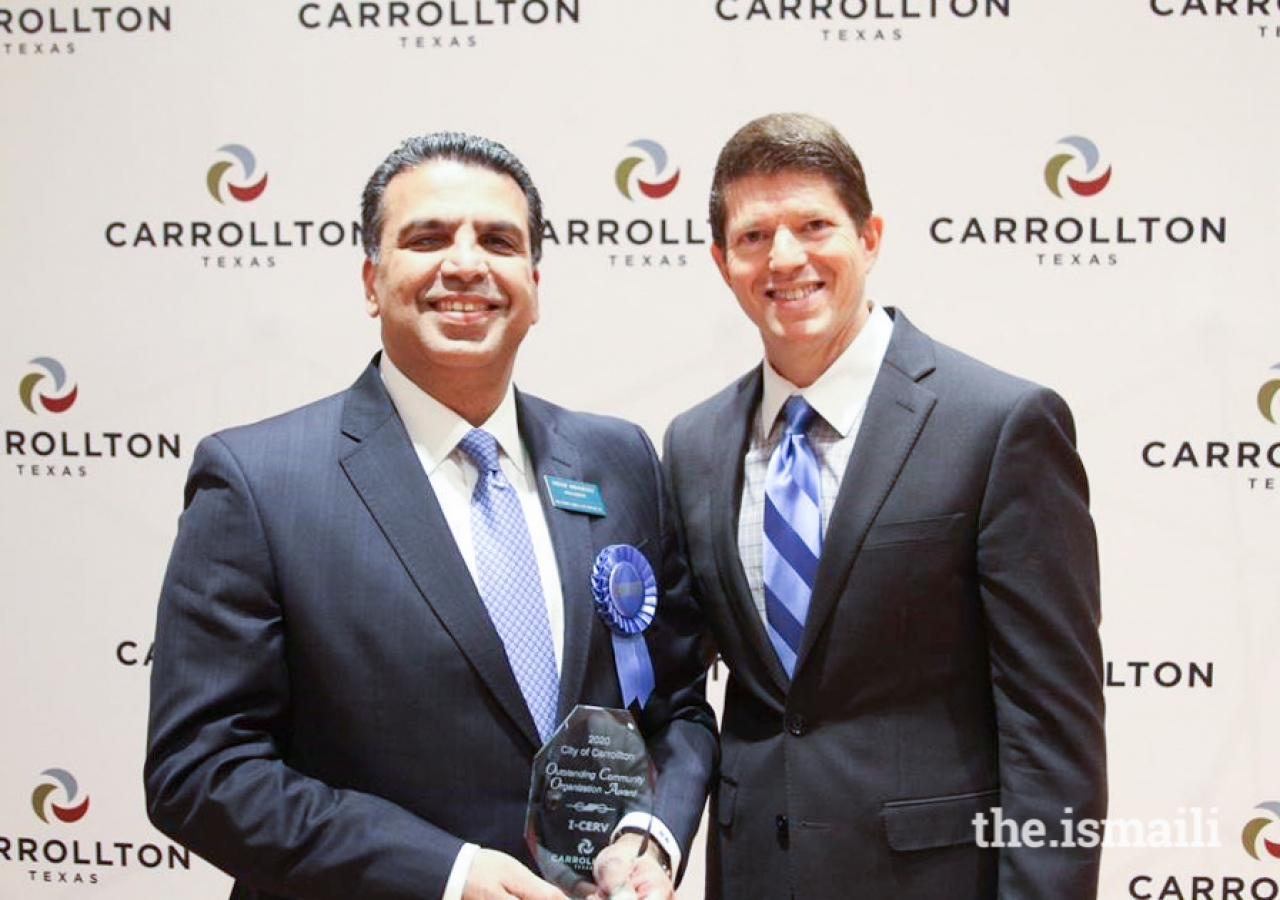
786,182
455,181
795,191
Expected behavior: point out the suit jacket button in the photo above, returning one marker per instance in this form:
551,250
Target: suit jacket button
796,724
780,824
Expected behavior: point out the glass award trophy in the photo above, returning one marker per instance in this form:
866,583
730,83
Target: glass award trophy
595,769
592,772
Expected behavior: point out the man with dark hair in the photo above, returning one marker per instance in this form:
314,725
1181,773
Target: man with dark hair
378,608
470,149
892,546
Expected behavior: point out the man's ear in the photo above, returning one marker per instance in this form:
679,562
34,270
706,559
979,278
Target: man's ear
368,274
537,301
718,255
872,231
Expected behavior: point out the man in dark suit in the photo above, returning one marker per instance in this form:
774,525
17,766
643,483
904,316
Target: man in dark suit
352,675
900,572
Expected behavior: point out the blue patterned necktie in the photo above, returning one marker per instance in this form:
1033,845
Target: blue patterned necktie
792,532
507,572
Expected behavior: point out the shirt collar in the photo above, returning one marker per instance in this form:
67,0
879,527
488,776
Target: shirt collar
435,429
841,391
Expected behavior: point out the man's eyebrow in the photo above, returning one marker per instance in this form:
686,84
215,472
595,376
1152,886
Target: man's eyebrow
431,224
742,225
485,225
501,225
515,232
759,221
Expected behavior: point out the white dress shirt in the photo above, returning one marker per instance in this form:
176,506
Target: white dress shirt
435,430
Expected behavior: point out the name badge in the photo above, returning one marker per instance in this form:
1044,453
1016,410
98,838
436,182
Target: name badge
575,496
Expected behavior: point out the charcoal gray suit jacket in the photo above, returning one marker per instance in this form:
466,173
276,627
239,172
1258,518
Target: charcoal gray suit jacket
950,660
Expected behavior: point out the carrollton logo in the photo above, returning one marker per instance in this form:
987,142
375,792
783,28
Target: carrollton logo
1217,886
645,171
658,163
1267,397
88,858
438,24
218,181
1075,173
32,388
859,21
1258,460
48,453
43,802
1251,836
43,31
1223,10
1085,150
233,180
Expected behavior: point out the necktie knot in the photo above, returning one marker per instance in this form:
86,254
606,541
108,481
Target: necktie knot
482,448
799,414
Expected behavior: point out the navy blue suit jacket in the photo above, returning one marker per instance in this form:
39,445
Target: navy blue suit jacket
332,711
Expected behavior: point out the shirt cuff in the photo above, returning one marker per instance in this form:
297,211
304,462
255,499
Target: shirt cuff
642,822
458,874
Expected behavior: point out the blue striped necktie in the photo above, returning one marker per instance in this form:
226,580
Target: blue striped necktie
507,573
792,532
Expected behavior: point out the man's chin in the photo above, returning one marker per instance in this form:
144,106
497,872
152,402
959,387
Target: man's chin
470,354
799,330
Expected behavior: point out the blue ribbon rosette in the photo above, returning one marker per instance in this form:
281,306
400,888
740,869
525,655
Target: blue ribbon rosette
626,595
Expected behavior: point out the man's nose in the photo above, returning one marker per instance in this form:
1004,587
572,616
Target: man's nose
465,259
786,252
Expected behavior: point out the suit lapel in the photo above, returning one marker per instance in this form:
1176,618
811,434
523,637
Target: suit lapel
387,474
734,423
897,410
552,453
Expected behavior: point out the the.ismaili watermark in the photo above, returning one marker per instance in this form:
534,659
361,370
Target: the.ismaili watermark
1192,827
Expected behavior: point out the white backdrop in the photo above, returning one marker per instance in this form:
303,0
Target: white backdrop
113,116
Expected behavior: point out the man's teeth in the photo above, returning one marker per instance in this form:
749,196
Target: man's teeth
462,306
794,293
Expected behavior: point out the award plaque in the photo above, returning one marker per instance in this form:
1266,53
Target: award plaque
592,772
595,769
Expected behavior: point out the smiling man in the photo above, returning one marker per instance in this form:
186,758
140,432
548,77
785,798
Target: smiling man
377,609
892,547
